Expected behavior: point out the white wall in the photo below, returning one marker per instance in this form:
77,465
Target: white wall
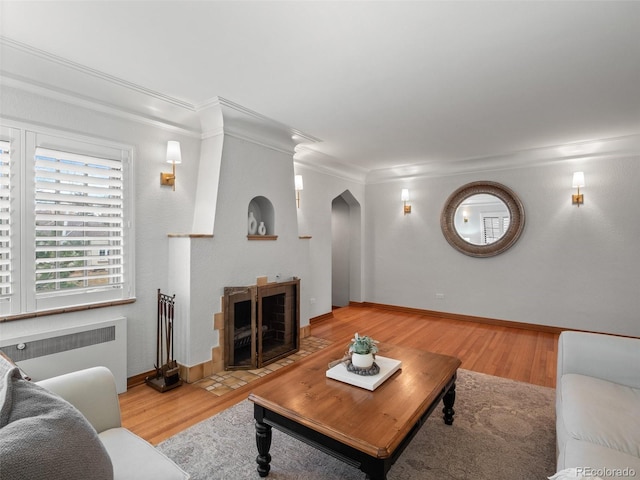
158,211
572,267
247,170
314,219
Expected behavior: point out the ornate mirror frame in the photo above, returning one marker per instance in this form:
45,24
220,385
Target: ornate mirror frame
510,199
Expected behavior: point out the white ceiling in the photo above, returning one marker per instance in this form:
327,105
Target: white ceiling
381,84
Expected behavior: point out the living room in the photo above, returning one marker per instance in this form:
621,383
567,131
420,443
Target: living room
522,95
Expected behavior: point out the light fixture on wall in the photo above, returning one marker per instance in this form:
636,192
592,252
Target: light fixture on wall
578,181
299,187
173,157
465,216
404,196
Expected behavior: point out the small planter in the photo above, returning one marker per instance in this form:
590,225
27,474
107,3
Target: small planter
362,350
362,360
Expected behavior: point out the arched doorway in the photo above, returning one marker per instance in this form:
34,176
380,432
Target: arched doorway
346,240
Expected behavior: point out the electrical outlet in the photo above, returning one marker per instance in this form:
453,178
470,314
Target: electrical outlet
440,296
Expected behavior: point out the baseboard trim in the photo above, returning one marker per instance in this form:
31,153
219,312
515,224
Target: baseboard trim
205,369
305,331
320,318
139,378
465,318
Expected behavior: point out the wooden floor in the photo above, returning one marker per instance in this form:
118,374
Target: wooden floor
523,355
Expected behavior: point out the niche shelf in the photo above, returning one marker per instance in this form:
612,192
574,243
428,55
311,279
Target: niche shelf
262,237
260,212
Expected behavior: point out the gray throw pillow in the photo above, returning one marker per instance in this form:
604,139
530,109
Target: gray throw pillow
43,436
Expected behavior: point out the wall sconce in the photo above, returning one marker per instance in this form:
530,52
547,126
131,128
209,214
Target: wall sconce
173,157
299,187
578,181
405,198
465,216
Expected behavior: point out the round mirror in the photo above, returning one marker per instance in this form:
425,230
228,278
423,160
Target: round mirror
482,219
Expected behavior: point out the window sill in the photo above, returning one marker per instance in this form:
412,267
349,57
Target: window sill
59,311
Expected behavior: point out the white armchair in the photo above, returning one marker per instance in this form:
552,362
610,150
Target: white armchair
598,403
608,357
93,392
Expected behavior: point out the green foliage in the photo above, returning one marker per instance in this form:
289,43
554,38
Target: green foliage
363,345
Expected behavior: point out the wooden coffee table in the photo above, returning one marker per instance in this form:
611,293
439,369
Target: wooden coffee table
366,429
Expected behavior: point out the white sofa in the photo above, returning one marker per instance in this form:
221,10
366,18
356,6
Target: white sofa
598,405
93,392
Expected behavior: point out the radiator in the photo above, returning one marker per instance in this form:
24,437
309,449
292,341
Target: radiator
46,355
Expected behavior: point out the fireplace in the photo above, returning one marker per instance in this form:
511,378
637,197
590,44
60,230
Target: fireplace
261,323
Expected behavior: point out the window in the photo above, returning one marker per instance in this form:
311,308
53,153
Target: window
75,208
491,229
5,221
494,228
78,214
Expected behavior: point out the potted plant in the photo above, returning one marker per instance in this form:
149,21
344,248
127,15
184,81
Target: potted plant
362,350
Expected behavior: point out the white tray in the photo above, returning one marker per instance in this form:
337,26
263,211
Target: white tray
388,366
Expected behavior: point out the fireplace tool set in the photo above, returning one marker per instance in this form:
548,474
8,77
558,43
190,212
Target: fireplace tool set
167,375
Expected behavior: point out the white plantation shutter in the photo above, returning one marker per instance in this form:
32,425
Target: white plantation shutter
66,208
491,229
494,228
79,226
5,220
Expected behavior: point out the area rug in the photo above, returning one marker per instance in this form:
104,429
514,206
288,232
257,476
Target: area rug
503,430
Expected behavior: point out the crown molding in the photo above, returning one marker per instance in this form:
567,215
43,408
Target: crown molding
79,85
84,70
241,111
75,84
623,146
220,114
327,165
72,83
90,103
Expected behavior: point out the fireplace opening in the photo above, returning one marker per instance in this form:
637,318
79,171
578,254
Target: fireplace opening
242,331
276,336
261,323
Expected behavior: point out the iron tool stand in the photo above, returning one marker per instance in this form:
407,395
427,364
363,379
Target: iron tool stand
167,375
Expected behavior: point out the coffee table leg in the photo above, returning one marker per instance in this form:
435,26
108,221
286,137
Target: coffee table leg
263,442
375,470
381,476
369,477
448,400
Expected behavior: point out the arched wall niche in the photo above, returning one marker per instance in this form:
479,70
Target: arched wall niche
262,210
